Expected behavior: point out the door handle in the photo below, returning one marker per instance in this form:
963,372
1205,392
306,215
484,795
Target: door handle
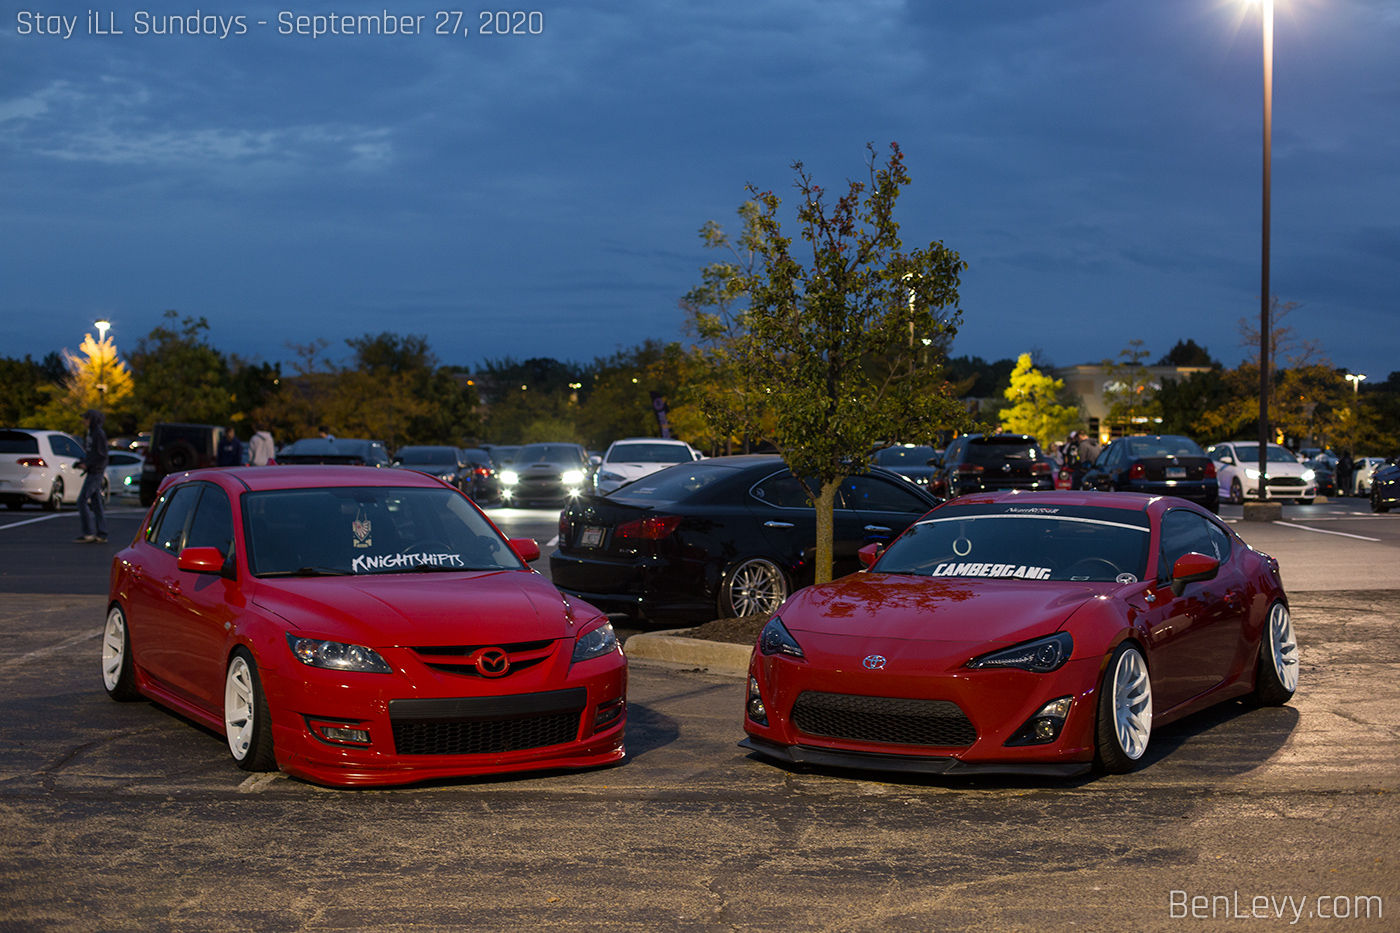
876,530
777,524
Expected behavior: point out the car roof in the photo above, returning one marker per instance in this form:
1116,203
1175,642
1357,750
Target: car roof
258,479
649,440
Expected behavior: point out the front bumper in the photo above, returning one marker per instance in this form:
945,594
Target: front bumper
915,764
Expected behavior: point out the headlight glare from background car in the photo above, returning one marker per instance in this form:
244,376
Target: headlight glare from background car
510,477
1040,656
337,656
595,644
571,477
776,639
1309,476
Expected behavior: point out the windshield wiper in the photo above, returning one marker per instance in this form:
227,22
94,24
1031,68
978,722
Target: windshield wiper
307,572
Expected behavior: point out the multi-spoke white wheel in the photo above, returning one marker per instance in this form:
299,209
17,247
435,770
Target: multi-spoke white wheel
117,676
1277,677
1125,711
754,587
245,715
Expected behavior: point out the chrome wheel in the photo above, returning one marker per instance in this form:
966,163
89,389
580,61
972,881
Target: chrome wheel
1283,647
755,587
1132,704
117,677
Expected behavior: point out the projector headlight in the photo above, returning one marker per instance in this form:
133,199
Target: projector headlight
1309,476
510,477
572,477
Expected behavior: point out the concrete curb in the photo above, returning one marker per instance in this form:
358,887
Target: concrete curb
721,657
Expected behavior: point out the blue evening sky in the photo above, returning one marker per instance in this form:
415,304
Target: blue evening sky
1096,163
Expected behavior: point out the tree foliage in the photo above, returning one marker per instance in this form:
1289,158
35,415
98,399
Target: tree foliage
1130,392
1035,403
845,346
178,376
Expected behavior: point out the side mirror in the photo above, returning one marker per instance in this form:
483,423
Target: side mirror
594,460
1190,568
1226,458
528,549
201,560
870,553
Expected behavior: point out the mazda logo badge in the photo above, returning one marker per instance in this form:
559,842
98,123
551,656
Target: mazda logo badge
492,662
873,663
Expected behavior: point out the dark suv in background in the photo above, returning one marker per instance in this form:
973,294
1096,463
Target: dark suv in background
176,448
987,462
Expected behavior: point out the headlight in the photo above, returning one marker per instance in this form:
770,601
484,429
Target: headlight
337,656
510,477
1252,474
595,644
1309,476
776,639
1041,656
610,477
572,477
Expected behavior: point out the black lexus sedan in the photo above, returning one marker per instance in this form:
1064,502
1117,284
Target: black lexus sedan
729,536
1159,465
1385,486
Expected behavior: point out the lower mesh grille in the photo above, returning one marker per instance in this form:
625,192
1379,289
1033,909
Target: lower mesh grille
890,720
486,725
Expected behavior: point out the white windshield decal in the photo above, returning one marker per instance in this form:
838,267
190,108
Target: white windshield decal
1018,571
366,563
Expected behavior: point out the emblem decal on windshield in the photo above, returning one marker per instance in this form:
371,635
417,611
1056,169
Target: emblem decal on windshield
360,527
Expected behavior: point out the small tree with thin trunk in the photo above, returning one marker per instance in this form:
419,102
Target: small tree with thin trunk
846,348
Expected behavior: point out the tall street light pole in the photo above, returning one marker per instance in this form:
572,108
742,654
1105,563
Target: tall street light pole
102,327
1268,10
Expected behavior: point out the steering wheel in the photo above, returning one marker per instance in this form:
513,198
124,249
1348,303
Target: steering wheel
1086,564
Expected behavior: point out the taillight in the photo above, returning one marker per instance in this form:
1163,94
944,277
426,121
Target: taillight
648,529
32,461
482,471
1137,471
969,468
1041,468
1210,469
563,526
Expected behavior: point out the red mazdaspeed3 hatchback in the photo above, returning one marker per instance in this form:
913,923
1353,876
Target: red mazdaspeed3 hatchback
358,626
1043,633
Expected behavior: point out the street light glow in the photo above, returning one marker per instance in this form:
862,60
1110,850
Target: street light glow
1356,379
102,326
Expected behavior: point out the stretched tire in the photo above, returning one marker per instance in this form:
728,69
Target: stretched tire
55,500
118,677
1376,504
1124,723
1276,679
247,723
756,586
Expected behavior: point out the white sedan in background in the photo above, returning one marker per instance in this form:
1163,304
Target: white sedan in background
1237,471
124,472
634,457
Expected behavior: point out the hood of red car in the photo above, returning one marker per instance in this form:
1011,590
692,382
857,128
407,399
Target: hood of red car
422,609
912,608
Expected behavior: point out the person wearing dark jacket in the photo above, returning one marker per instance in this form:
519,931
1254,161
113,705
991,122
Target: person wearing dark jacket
91,508
230,452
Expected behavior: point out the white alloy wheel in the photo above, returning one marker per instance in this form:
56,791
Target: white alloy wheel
1283,647
1132,704
755,587
247,723
117,677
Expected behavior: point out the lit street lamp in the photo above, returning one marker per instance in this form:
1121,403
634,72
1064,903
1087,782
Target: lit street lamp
1355,379
102,325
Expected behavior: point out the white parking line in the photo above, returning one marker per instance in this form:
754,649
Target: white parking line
1324,531
52,649
42,518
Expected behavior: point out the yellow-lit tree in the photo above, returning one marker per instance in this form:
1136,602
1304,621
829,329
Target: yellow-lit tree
97,378
1034,408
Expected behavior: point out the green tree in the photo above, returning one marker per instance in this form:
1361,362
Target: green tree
1187,353
1035,406
24,387
841,346
177,376
1130,392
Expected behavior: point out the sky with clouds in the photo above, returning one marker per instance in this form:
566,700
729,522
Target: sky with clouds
1095,162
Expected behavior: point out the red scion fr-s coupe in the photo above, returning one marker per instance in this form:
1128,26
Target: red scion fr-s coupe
1042,633
358,626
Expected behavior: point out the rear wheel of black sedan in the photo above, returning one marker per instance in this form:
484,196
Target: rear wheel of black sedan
756,586
1124,724
1277,677
247,724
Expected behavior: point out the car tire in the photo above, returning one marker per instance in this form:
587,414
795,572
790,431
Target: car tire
1236,492
756,586
55,500
247,722
1376,505
118,676
14,506
1276,679
1124,724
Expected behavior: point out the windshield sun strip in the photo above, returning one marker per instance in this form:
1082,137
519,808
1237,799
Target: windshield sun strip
1056,518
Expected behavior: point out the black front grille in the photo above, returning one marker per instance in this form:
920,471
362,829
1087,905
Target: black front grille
1286,481
452,659
486,725
889,720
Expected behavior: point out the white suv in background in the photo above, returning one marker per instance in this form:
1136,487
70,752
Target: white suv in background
1237,471
634,457
40,467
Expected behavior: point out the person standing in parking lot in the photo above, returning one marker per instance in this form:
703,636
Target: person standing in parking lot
230,449
1345,470
91,509
261,448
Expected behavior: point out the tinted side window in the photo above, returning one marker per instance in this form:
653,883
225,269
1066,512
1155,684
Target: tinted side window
783,491
877,494
213,522
1184,532
170,532
66,446
1220,540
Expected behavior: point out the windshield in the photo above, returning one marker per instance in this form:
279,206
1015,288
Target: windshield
648,453
1249,453
558,454
438,456
671,484
905,456
374,529
1164,446
1024,543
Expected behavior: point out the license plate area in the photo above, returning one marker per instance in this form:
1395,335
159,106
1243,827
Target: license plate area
1176,472
591,536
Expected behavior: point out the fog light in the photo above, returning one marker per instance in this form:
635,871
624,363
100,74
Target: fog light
345,732
1044,727
608,713
756,710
